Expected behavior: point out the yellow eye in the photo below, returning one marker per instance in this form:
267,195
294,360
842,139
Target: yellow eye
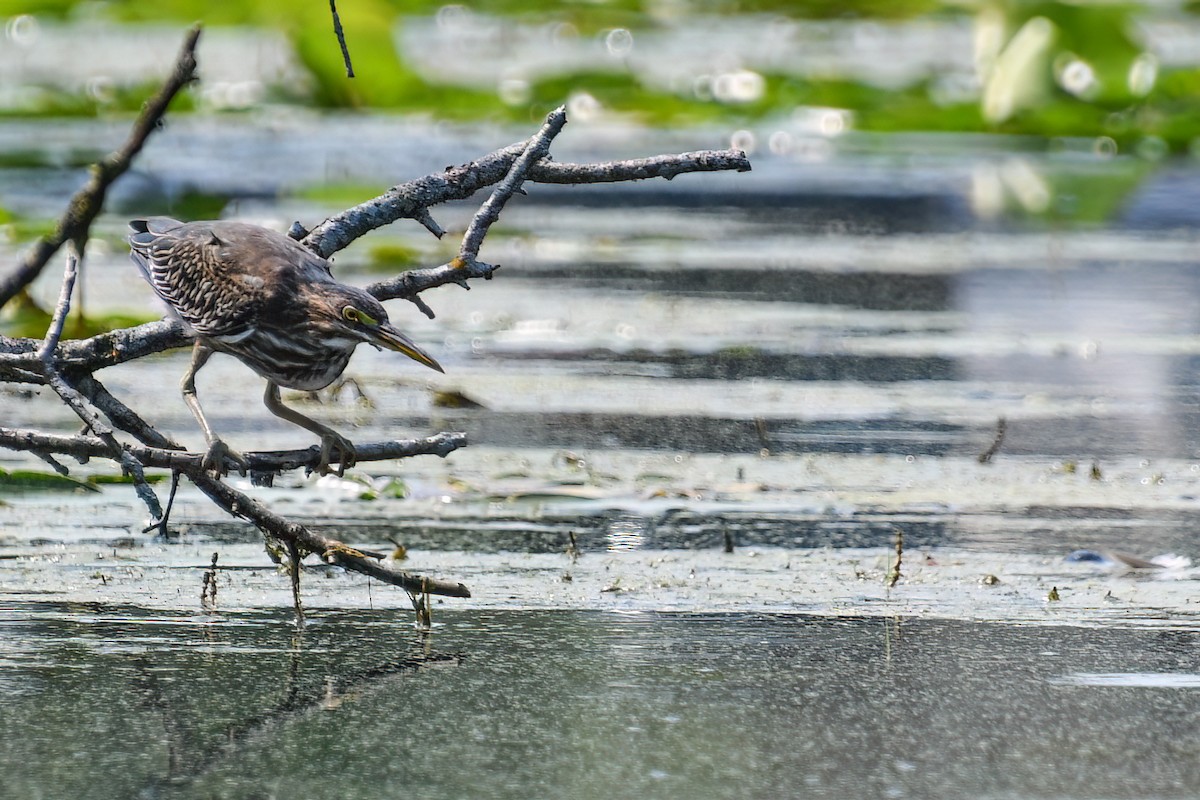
350,314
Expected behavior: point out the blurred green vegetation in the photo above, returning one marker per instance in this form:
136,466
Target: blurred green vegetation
1043,68
1075,63
23,317
393,256
19,481
50,101
124,480
588,15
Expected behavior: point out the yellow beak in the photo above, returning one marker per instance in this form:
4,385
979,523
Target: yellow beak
392,339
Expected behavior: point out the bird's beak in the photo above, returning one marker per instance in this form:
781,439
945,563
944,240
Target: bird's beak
387,336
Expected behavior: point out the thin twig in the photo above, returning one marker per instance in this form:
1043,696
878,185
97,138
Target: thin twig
466,265
160,524
489,212
341,37
49,344
88,201
409,284
59,319
429,223
54,465
637,169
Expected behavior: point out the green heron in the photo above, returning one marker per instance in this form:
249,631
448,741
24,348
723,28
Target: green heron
258,295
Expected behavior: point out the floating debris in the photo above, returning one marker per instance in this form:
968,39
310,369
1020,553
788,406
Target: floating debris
452,398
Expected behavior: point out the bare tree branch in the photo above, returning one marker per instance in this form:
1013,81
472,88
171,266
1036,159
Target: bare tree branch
639,169
68,367
466,265
97,352
412,200
241,505
46,355
408,200
72,398
87,202
83,447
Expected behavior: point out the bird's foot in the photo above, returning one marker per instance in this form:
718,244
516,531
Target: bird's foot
217,456
334,446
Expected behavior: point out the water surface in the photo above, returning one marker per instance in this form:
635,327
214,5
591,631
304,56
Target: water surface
563,704
804,360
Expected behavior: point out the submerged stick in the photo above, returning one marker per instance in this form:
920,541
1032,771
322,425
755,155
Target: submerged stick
1001,429
422,608
893,575
333,551
294,558
208,586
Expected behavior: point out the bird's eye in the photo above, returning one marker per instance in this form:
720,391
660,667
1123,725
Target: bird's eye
352,314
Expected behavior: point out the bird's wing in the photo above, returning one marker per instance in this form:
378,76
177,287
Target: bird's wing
204,271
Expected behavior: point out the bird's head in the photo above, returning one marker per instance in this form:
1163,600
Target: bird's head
356,315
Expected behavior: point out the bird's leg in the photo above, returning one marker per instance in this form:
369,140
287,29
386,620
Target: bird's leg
332,442
218,451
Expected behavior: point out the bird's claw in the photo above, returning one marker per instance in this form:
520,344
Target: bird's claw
333,446
218,454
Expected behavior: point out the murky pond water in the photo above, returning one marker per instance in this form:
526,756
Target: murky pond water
110,701
803,360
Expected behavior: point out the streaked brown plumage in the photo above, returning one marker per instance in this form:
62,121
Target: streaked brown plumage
265,298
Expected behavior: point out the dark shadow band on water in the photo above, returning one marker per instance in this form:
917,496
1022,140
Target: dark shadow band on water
696,433
734,364
1173,432
865,289
898,209
1052,531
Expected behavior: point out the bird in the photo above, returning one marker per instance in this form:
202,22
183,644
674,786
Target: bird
263,297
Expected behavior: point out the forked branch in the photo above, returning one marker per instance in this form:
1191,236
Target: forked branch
69,367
